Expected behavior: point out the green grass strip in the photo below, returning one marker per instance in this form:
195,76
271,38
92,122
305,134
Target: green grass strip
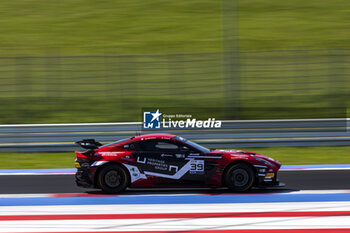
286,155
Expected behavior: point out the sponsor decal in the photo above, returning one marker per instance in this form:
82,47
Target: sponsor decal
141,160
194,154
156,164
158,120
230,151
172,167
179,156
110,153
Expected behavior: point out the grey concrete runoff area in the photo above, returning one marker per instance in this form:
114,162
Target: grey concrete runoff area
294,180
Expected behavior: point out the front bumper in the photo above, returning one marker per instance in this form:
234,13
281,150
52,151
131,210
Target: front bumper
275,183
266,178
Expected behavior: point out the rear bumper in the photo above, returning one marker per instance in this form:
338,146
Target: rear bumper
83,178
84,174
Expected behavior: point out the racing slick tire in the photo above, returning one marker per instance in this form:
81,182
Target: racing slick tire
239,177
113,178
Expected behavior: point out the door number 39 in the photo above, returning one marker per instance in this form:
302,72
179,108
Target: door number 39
197,165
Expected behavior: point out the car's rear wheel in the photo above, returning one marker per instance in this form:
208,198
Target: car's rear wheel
113,178
239,177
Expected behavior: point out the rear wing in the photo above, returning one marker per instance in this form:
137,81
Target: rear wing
89,144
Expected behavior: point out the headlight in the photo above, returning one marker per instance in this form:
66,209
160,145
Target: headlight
262,160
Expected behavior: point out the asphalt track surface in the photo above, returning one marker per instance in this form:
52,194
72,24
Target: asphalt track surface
294,180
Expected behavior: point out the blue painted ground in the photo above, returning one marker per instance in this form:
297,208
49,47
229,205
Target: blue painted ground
58,170
181,199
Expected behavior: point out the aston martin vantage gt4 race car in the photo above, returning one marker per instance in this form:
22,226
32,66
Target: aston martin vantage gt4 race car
165,160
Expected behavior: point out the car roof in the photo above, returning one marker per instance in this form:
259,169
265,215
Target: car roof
153,136
140,138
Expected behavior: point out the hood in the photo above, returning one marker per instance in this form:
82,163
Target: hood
249,154
235,152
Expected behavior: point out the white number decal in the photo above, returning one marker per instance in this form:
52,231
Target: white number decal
197,166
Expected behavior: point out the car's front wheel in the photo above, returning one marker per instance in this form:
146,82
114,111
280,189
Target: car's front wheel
113,178
239,177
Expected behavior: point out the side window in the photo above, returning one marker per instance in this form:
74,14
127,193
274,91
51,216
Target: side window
147,145
161,145
157,145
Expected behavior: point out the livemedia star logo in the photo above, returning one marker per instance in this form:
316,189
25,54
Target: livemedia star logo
152,120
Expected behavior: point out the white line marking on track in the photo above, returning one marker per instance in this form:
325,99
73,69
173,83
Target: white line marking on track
172,224
176,208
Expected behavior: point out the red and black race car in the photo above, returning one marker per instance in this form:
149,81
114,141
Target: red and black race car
165,160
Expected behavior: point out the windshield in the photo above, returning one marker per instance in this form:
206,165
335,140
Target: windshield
122,140
193,144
